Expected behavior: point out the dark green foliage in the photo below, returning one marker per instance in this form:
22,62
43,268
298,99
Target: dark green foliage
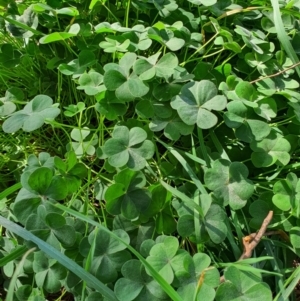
141,141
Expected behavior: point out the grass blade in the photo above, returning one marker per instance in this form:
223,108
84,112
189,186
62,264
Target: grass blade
293,281
10,190
19,251
282,36
186,166
10,292
22,25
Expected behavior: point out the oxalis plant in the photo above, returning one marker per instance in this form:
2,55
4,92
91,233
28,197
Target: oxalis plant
149,150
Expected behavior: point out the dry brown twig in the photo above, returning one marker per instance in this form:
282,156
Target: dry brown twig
275,74
251,241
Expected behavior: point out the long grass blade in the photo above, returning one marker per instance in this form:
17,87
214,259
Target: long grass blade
5,193
10,292
19,251
282,35
186,166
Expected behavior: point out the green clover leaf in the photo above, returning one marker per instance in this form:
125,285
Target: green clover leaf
240,285
91,83
203,2
109,105
48,272
44,183
128,147
287,193
295,237
128,196
160,207
148,68
138,37
248,127
39,185
173,126
228,181
261,207
274,149
137,285
267,108
71,171
166,35
115,43
109,253
270,86
71,110
7,103
126,86
52,228
86,58
166,258
198,267
82,144
33,115
207,224
196,101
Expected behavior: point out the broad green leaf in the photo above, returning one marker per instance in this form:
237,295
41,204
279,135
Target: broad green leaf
267,108
273,149
195,103
205,223
128,147
228,181
56,36
86,58
109,105
260,208
41,183
48,272
240,285
287,193
295,237
248,128
109,254
83,144
52,228
33,115
137,285
163,68
173,127
198,269
115,43
91,83
7,105
166,91
148,108
127,87
128,196
166,34
245,91
40,179
166,259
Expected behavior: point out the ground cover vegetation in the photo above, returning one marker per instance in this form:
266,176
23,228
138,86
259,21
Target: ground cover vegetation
149,150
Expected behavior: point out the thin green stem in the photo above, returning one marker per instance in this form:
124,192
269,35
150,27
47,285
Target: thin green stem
202,147
127,13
